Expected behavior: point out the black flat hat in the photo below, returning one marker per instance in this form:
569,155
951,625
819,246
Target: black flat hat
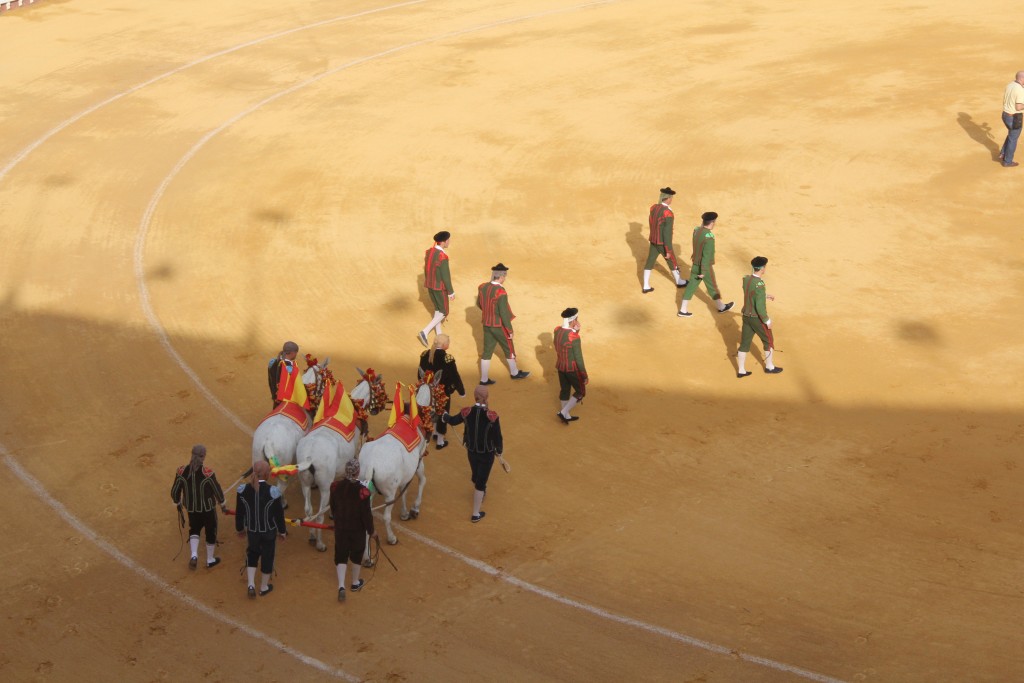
570,312
667,190
500,267
709,216
442,236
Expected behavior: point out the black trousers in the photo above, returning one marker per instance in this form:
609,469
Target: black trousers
480,467
349,545
197,521
261,548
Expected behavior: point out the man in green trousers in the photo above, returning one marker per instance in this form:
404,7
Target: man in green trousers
703,268
756,320
438,279
660,220
572,373
497,316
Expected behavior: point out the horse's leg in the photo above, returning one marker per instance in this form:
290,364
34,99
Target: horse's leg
367,560
306,480
405,511
421,473
282,486
323,480
392,540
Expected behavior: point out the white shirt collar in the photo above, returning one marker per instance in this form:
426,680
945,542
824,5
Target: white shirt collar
439,248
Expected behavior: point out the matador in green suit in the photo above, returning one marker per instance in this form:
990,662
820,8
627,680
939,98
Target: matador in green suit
756,320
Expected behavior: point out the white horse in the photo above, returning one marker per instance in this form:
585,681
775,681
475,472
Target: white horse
391,467
277,437
321,455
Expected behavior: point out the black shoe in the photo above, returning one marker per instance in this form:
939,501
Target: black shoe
193,563
774,371
683,314
357,585
477,518
211,565
684,283
727,306
252,591
648,290
522,374
741,375
341,594
441,445
423,339
563,418
573,418
266,590
488,383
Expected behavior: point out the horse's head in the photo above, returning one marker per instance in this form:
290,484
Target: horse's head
430,398
315,378
378,395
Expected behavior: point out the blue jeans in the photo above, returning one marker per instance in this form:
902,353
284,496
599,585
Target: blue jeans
1010,144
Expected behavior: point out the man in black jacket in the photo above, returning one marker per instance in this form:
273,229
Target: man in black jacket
482,439
286,357
196,487
259,514
438,360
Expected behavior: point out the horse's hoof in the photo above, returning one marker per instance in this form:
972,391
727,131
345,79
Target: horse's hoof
368,563
322,548
392,541
414,514
404,516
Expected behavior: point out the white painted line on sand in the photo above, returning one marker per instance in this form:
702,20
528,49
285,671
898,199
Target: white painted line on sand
157,327
138,258
106,546
20,156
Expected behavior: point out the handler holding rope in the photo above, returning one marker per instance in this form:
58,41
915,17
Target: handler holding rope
353,521
261,516
196,487
482,438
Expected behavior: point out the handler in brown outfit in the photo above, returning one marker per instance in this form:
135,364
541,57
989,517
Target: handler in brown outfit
353,521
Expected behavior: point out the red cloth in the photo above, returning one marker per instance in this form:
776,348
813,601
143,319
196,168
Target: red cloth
405,431
290,410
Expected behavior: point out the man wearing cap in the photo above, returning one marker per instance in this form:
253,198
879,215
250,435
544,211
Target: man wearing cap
353,522
756,320
492,300
703,268
283,362
572,373
438,279
196,488
660,221
482,438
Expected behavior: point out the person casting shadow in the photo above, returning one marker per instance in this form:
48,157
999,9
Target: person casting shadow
982,134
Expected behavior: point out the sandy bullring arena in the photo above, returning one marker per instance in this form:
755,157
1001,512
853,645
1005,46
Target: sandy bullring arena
185,185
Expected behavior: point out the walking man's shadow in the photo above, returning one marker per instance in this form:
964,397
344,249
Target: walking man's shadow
982,134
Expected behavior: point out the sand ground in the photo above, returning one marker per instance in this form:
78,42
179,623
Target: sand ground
855,518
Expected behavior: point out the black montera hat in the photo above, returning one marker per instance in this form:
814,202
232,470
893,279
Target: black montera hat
709,216
667,190
759,262
500,267
442,236
570,312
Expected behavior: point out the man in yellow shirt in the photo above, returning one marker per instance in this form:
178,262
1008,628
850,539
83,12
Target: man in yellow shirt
1013,115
